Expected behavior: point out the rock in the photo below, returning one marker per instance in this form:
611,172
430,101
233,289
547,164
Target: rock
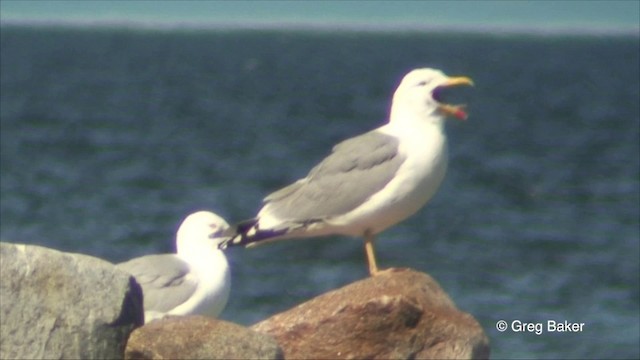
199,337
399,314
63,305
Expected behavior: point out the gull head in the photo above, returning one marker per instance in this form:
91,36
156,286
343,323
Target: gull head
419,94
199,232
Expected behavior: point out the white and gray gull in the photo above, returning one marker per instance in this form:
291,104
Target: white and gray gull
369,182
195,280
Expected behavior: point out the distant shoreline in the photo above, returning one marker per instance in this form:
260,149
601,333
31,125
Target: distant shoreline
325,27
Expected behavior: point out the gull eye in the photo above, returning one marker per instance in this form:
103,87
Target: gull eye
423,83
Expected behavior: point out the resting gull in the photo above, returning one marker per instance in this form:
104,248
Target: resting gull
195,280
369,182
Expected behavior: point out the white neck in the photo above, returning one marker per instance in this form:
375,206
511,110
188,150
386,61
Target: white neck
407,110
407,119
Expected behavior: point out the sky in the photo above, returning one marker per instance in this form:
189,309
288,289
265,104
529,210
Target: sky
608,15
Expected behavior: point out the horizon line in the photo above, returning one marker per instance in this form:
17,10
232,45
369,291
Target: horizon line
325,26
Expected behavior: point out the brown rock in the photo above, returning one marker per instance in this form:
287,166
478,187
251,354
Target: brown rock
199,337
400,314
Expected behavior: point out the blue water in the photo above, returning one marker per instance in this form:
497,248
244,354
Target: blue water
110,137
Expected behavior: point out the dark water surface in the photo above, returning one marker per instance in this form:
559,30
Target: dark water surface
109,138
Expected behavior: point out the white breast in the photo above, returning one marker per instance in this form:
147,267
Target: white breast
211,272
416,181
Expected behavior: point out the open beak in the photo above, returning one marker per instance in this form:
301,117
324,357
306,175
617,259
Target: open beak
456,111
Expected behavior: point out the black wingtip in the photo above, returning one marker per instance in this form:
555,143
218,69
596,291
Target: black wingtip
224,244
247,232
243,227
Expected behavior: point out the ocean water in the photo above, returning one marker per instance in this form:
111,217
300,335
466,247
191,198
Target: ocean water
109,138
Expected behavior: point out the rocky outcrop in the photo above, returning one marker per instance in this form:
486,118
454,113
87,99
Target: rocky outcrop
399,314
62,305
199,337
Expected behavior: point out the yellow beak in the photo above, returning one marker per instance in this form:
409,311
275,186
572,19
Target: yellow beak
456,111
458,80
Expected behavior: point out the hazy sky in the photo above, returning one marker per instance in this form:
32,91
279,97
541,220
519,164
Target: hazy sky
587,15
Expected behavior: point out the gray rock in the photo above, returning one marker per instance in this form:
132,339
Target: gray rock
398,314
63,305
199,337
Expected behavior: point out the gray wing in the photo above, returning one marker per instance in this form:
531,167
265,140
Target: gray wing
163,280
356,169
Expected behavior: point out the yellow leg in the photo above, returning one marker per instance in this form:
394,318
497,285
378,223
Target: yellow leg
371,255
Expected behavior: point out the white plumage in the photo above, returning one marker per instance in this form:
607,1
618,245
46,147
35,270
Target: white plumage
195,280
369,182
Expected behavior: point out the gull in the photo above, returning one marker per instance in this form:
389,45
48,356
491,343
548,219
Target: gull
195,280
369,182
